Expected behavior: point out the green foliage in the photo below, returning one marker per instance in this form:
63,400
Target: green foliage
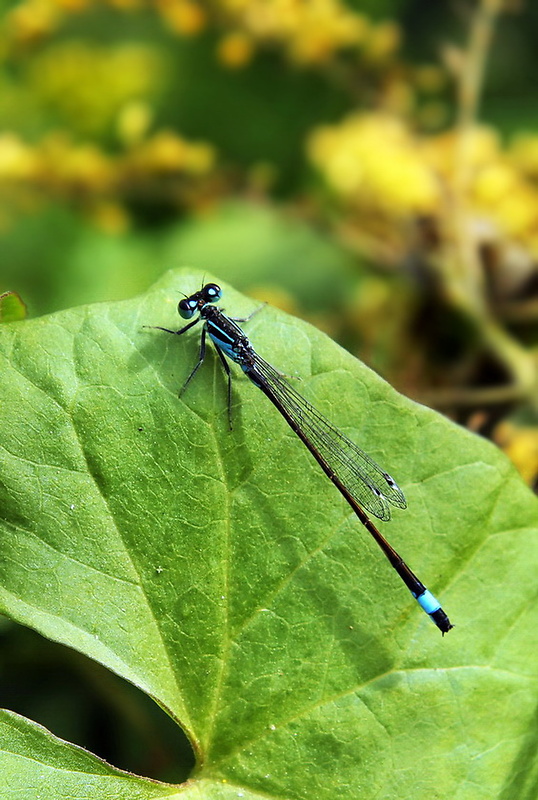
261,114
12,307
221,573
249,245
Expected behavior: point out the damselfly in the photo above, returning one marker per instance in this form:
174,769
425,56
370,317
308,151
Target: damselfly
364,485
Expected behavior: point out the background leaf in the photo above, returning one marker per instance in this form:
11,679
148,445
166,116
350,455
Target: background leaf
12,307
221,573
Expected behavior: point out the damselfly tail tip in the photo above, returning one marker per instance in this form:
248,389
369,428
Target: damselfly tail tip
442,621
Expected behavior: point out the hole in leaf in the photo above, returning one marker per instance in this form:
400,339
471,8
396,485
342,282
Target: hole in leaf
84,703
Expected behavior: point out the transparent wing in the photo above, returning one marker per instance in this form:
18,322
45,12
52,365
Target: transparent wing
370,486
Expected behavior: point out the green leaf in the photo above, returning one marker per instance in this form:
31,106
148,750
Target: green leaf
12,307
34,763
222,573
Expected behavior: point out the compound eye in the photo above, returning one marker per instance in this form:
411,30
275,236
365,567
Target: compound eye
187,307
212,292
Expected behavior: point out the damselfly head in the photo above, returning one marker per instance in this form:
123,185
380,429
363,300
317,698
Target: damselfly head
209,293
188,306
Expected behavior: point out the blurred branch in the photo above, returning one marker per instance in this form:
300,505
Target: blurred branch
470,398
466,266
460,266
471,81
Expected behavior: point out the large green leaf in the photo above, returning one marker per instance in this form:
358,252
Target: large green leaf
222,573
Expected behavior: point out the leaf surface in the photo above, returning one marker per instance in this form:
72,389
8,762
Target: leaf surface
222,573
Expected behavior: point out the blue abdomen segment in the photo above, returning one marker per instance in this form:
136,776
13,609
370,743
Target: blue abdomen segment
428,602
432,607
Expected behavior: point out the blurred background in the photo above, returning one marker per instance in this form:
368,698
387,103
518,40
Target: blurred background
369,165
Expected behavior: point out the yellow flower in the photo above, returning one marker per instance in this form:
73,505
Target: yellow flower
110,217
493,182
89,84
84,167
521,446
373,159
524,154
235,50
168,152
383,41
18,161
309,30
33,19
517,211
133,121
182,16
